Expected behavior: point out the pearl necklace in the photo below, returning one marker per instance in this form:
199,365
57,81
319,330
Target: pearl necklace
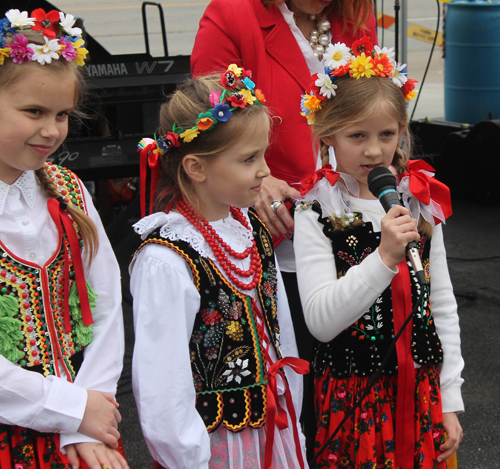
220,248
319,38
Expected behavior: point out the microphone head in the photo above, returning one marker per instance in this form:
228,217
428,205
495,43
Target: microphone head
380,179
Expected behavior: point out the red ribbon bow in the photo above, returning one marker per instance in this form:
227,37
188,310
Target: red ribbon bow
300,367
149,158
424,187
325,172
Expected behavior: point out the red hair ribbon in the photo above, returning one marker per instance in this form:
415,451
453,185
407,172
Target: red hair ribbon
64,226
149,157
325,172
425,187
279,418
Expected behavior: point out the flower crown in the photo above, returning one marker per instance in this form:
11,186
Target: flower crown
223,106
362,61
61,38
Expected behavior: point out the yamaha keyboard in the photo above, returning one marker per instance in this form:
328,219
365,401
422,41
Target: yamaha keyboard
125,96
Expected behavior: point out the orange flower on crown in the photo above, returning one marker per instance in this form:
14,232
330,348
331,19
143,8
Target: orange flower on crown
382,66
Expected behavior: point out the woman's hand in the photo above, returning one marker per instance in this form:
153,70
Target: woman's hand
398,229
96,456
279,222
455,434
101,418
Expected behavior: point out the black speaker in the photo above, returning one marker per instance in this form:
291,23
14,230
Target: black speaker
466,158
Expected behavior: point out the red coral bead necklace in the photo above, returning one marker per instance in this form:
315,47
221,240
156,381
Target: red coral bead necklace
220,248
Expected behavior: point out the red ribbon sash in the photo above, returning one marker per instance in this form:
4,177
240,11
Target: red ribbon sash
405,401
149,158
65,225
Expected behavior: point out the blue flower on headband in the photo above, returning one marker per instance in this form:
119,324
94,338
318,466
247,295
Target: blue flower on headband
5,28
221,112
249,83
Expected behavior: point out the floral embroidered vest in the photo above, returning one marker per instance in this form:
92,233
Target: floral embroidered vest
32,299
361,347
227,355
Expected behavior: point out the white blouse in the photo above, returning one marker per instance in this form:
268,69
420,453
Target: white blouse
53,404
331,304
166,303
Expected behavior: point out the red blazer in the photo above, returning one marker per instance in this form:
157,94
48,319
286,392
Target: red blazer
244,32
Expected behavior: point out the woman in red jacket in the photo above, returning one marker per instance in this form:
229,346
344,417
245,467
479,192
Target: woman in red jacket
283,43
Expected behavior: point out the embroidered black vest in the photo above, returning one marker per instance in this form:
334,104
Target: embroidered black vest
361,347
33,336
227,355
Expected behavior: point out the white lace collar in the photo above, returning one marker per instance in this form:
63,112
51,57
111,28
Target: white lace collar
26,183
173,226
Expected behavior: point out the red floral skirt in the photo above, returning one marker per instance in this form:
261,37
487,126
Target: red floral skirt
22,448
366,440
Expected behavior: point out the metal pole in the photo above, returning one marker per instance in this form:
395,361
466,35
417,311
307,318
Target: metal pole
404,33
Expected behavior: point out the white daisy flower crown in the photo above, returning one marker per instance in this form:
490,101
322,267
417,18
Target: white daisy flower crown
363,60
61,38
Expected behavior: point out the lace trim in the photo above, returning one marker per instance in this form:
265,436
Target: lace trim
174,227
334,200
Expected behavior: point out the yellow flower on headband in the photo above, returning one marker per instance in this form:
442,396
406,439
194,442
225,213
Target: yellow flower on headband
235,69
5,52
81,52
248,97
361,66
189,135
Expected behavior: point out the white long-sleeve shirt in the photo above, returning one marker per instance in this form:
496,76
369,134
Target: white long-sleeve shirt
166,303
52,404
331,304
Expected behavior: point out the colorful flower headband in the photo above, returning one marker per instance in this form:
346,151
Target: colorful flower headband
61,38
223,106
362,61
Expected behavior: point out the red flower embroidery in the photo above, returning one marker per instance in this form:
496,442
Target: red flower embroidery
48,23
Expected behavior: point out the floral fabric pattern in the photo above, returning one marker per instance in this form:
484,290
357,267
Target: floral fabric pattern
366,440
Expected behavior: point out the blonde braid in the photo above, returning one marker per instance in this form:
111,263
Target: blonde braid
88,230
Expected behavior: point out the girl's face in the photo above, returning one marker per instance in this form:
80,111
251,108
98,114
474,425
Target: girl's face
309,7
34,118
234,177
363,146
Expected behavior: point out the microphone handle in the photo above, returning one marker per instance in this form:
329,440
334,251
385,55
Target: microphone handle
388,198
413,255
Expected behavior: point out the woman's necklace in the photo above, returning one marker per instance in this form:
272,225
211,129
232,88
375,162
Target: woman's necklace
319,39
220,248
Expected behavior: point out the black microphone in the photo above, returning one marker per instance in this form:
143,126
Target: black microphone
382,184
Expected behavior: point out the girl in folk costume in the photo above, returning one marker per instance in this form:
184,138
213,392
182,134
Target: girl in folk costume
212,325
357,288
61,329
